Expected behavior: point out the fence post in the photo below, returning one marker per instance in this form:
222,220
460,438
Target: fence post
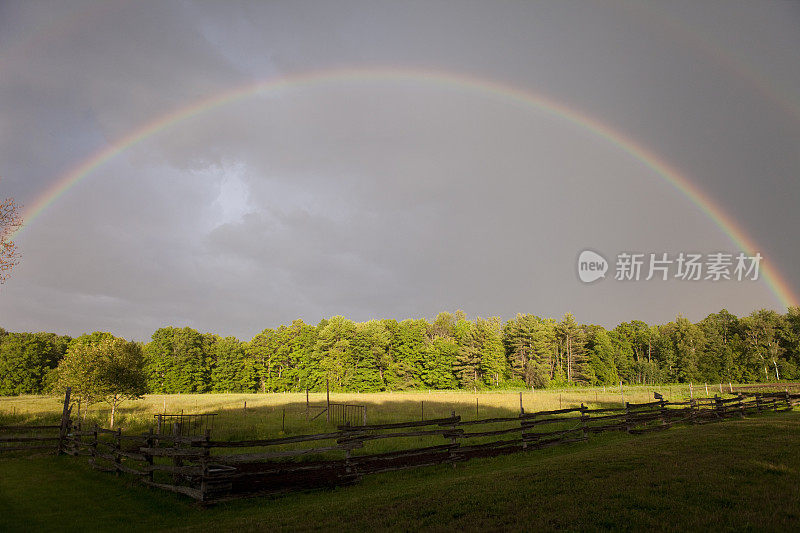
204,466
93,450
453,439
78,438
364,415
176,461
62,432
693,410
149,456
69,441
521,409
628,425
117,450
584,421
327,401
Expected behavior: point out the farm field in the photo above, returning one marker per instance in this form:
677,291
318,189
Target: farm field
732,475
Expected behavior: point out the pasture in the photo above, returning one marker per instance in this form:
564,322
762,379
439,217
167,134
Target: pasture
278,414
732,475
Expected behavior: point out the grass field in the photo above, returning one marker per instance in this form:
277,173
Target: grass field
264,415
736,475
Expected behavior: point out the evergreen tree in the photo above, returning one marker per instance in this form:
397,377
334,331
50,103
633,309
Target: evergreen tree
530,345
467,367
488,335
572,350
600,367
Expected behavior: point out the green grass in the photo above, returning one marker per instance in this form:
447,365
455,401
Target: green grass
734,475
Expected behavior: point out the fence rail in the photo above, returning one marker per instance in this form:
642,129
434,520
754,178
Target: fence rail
208,471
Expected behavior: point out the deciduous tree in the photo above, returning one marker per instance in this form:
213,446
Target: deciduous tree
102,367
10,222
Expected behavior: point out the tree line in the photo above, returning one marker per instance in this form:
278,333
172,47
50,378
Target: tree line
451,352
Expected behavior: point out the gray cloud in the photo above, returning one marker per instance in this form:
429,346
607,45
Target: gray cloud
379,199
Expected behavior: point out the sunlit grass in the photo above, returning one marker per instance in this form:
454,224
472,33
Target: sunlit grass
247,416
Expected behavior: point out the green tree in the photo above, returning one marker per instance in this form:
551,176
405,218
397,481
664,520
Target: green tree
332,353
601,369
406,350
763,349
684,343
441,353
101,367
467,367
179,360
233,371
790,344
530,345
571,339
27,359
488,335
369,350
717,359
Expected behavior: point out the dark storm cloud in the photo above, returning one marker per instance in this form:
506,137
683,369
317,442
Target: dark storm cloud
387,199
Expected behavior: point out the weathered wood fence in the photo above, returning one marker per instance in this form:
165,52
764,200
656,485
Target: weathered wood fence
29,438
210,471
38,438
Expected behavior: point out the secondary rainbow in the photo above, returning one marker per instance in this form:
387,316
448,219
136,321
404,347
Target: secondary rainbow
485,88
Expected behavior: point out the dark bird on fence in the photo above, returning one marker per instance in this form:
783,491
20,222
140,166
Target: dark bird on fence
658,396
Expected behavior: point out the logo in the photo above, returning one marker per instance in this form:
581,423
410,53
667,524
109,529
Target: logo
591,266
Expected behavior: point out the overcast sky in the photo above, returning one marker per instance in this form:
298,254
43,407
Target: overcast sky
398,197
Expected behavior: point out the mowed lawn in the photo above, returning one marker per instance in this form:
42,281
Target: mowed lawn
734,475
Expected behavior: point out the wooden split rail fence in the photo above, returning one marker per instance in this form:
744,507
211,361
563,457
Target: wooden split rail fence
210,470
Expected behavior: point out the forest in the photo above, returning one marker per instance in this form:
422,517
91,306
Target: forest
451,352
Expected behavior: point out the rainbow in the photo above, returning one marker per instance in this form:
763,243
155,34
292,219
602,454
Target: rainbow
485,88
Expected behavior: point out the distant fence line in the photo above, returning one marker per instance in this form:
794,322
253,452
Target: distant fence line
338,413
184,425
